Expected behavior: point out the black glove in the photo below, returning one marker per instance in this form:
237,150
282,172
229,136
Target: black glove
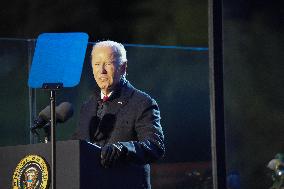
111,153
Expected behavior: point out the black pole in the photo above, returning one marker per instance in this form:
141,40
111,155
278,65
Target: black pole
216,93
52,138
52,87
32,96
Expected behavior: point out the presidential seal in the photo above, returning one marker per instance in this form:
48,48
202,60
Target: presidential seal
32,172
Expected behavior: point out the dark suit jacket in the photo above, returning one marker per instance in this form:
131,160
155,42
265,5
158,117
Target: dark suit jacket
131,117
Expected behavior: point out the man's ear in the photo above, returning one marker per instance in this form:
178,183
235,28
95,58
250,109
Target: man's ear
123,68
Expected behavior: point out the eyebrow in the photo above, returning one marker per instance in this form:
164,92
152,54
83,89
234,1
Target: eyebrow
113,61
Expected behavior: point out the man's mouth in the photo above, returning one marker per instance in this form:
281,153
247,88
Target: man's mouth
103,79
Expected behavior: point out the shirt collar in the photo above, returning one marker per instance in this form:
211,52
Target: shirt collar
102,94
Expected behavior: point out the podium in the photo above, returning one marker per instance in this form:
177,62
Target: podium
78,166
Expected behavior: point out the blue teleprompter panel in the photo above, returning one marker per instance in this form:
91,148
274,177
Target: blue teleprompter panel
58,58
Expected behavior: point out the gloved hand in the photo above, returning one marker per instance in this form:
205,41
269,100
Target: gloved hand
111,153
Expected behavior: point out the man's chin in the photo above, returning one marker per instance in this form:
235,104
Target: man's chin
105,87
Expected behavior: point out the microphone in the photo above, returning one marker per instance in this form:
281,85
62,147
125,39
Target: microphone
42,119
63,112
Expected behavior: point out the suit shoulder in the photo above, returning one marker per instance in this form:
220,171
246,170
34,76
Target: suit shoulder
90,100
142,96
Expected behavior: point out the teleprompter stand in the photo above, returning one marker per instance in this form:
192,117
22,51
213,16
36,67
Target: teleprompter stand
57,63
52,87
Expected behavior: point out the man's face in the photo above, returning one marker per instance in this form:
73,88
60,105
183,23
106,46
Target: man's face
106,69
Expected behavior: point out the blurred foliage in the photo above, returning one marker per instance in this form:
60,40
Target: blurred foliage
276,166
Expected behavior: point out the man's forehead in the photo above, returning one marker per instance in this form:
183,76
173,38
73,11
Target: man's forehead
106,51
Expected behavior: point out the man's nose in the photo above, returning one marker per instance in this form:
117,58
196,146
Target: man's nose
103,69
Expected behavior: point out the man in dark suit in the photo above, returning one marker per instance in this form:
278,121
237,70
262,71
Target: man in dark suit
124,121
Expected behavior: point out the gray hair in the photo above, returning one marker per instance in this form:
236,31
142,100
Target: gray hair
118,48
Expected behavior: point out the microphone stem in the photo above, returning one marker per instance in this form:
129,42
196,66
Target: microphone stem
52,138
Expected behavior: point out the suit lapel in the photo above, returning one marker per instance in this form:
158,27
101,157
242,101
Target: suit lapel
121,98
94,120
114,105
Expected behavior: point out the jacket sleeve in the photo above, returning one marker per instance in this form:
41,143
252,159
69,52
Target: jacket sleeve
150,144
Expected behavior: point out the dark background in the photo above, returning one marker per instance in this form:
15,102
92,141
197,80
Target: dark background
129,21
253,58
254,94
